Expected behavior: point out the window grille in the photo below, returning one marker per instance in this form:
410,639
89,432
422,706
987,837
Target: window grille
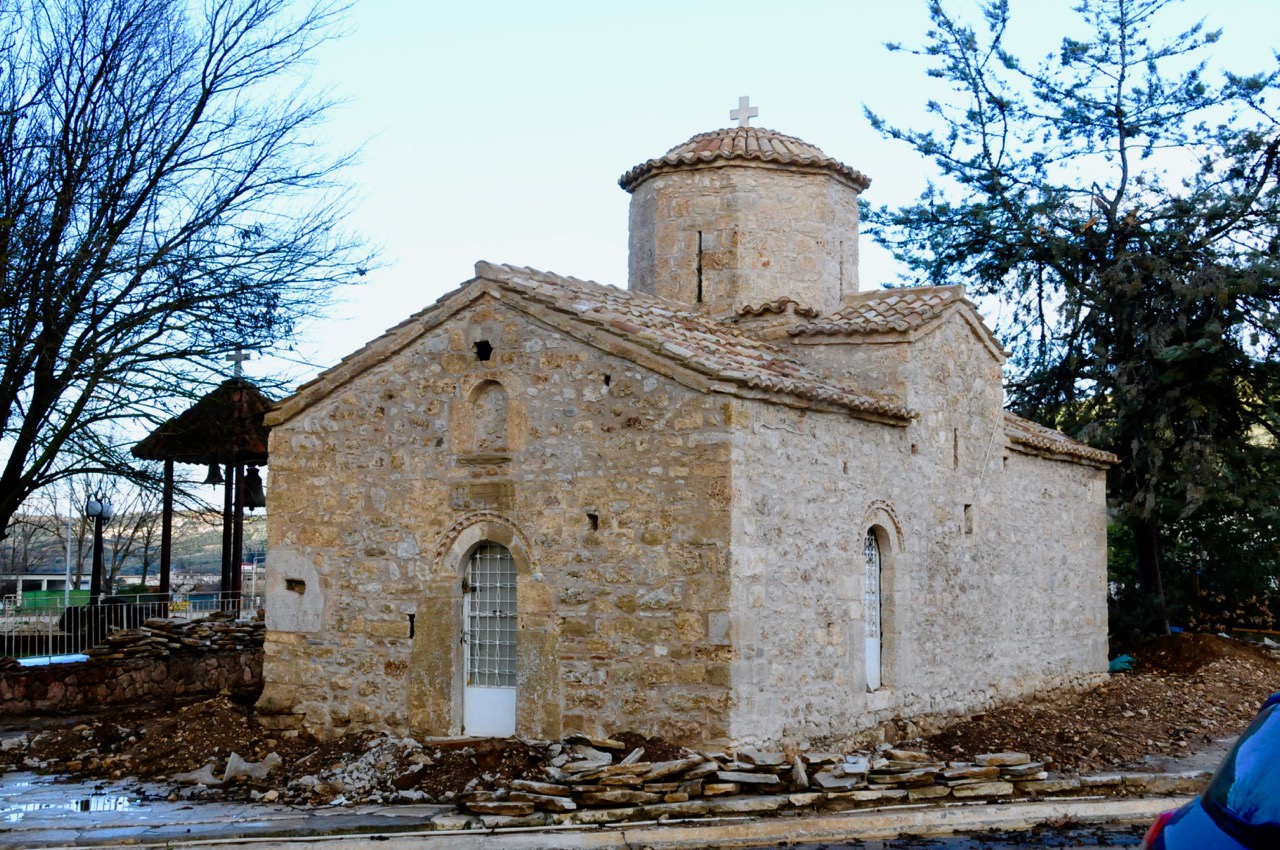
871,596
491,617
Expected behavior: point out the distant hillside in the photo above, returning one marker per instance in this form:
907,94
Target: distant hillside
38,544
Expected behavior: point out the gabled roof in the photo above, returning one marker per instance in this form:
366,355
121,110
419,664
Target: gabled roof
905,313
747,144
225,426
1031,438
688,347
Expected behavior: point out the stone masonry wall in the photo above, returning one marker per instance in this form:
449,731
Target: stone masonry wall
993,560
745,256
997,562
80,686
805,485
608,482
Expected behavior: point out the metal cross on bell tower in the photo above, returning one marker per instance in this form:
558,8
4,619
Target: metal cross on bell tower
745,112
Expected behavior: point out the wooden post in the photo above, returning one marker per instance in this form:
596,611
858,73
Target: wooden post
166,530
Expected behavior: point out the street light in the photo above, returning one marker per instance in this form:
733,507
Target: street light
99,510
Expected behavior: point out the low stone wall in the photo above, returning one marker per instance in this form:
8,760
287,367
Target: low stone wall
89,685
164,660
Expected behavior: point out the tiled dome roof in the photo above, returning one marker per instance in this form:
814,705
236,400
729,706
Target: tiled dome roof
743,143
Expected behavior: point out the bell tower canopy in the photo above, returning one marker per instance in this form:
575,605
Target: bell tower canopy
744,216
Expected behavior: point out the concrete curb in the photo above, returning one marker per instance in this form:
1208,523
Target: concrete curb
724,832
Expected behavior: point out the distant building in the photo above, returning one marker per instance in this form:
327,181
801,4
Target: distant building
742,502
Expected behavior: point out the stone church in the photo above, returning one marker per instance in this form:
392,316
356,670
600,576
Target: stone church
741,502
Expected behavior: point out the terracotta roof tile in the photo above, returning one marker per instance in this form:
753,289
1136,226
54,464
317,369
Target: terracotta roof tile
743,143
1048,441
692,340
778,305
886,311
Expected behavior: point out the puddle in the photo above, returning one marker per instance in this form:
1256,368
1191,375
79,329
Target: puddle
23,796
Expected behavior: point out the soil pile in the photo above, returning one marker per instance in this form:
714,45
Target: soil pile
1185,692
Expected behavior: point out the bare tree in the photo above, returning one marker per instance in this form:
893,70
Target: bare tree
135,533
161,204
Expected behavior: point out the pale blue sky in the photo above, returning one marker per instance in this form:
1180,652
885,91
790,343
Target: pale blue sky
496,130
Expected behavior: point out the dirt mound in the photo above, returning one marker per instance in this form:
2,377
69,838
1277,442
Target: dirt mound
655,749
1186,691
1186,652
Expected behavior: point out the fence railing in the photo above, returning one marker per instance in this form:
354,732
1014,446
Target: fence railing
50,629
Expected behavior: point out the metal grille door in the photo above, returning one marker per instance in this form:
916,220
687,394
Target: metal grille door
871,608
491,618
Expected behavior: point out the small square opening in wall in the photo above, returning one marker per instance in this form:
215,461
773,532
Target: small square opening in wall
295,585
593,520
968,519
483,349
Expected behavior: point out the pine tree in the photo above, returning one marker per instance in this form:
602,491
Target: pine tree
1121,201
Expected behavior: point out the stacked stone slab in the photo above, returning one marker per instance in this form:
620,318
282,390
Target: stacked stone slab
160,636
587,783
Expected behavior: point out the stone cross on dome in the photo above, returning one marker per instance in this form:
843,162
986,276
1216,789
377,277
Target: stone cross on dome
745,112
238,359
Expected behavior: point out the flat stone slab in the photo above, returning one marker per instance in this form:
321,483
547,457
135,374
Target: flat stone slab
972,771
663,769
1002,759
748,805
744,778
618,797
983,789
501,807
544,802
720,789
1048,786
766,759
548,788
598,743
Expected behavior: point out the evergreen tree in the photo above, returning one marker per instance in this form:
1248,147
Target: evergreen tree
1121,201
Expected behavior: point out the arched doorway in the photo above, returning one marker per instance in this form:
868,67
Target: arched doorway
489,642
872,607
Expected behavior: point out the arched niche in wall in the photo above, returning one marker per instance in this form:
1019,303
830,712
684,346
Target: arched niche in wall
488,403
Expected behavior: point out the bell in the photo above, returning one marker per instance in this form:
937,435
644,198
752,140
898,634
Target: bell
215,475
254,495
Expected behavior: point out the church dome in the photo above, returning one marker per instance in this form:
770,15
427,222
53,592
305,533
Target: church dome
722,147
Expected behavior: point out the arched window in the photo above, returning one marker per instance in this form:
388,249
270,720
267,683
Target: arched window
871,605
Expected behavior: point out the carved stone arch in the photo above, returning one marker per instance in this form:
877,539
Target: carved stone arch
881,513
472,530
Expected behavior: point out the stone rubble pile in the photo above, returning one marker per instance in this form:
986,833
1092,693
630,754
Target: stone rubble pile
589,774
159,636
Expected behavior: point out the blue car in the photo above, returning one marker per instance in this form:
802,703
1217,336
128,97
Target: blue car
1240,809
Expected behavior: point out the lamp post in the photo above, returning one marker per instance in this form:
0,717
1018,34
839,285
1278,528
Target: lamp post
98,510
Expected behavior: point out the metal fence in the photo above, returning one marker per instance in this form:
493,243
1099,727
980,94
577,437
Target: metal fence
51,630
